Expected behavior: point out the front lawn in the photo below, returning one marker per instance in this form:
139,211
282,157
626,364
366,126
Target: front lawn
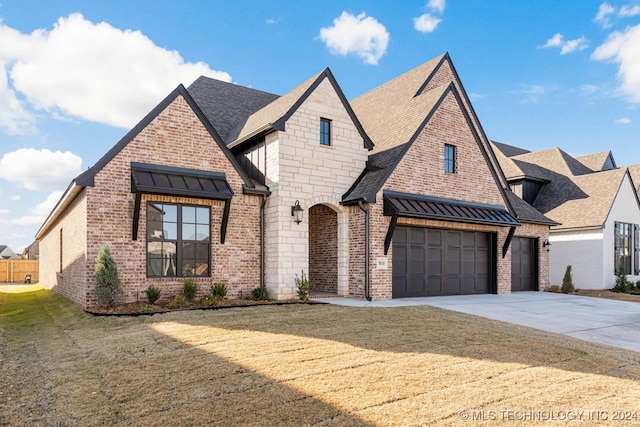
298,365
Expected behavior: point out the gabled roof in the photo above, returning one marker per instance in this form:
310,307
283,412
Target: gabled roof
508,150
86,179
527,213
226,105
599,161
274,115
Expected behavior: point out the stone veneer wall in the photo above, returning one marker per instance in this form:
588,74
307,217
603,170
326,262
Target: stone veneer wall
299,168
323,248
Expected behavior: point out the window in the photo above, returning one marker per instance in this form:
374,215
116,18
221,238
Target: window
61,246
627,248
325,132
178,240
449,158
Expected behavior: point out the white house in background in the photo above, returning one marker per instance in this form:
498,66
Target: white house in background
596,204
6,252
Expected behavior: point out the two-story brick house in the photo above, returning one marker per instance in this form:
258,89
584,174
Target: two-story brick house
399,190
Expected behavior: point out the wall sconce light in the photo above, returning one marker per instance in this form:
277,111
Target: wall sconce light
546,244
296,212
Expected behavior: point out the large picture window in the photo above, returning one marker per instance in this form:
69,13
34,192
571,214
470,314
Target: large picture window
178,240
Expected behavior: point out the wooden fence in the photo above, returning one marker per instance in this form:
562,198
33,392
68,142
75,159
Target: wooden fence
15,270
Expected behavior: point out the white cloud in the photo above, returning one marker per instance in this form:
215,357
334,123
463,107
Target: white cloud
361,35
622,48
532,93
436,5
426,23
602,17
40,169
91,71
628,10
15,197
37,214
14,117
623,121
271,21
4,211
566,46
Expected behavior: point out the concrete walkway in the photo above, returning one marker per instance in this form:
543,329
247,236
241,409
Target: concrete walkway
599,320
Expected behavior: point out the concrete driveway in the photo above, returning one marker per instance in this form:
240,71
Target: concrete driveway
599,320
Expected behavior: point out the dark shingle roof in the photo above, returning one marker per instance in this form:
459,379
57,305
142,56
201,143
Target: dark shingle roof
527,213
226,105
509,150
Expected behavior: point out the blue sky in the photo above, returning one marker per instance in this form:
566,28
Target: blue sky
77,74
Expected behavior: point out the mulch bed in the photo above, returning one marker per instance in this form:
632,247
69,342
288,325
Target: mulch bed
145,309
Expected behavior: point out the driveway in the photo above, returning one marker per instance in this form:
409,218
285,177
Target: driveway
599,320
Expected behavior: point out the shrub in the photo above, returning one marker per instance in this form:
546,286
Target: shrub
109,291
177,301
304,285
209,301
554,288
219,290
567,282
189,289
622,283
259,293
153,294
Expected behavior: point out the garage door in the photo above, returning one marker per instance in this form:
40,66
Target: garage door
524,266
430,262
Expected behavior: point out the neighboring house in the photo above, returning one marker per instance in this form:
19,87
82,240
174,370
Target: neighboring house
399,191
594,202
6,252
31,252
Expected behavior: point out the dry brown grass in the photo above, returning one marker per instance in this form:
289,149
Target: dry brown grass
607,294
296,365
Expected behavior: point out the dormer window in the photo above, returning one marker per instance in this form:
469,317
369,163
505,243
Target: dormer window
325,132
449,158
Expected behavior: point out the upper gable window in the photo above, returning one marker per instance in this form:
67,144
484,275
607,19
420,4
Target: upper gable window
325,132
449,158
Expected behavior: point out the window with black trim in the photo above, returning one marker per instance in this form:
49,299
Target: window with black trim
178,240
627,247
449,158
325,132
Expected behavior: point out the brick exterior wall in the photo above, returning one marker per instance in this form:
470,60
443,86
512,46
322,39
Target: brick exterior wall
323,248
176,137
71,281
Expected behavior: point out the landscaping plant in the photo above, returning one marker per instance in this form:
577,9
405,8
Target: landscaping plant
567,282
304,285
153,294
218,290
189,289
109,291
623,284
259,293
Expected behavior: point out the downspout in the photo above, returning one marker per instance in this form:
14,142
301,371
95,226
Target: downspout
264,202
367,284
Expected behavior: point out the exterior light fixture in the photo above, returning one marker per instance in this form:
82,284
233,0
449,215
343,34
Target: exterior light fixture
546,244
296,212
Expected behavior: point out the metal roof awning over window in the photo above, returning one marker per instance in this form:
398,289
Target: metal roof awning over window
181,182
425,207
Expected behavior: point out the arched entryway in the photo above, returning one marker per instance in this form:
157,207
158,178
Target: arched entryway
323,248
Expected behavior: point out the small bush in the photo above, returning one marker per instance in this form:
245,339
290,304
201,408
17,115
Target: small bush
554,288
210,300
109,291
622,283
219,290
177,301
567,281
189,289
259,293
153,294
304,285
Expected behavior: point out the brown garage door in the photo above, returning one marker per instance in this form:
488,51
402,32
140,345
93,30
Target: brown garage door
524,265
429,262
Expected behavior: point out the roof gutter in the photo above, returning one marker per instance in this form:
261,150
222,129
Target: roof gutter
367,278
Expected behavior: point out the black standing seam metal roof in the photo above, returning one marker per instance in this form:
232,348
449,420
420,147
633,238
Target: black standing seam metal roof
426,207
156,179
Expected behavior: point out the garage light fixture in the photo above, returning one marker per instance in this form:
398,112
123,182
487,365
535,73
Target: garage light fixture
546,244
296,212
